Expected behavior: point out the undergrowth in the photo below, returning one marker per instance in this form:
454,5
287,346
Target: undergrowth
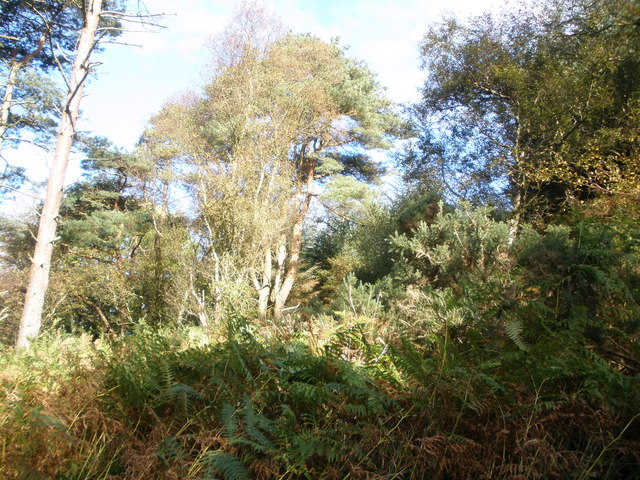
174,404
475,358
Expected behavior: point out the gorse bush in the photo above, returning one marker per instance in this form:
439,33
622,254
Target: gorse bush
463,245
541,282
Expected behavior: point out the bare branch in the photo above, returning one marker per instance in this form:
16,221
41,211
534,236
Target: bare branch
31,142
112,13
13,189
335,212
113,42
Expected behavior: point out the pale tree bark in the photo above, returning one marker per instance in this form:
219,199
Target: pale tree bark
293,264
31,320
7,97
263,285
7,100
521,185
281,258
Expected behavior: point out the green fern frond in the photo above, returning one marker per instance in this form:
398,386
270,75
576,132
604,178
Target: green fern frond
410,362
261,439
306,395
228,420
288,419
170,450
254,424
167,375
514,331
218,463
317,442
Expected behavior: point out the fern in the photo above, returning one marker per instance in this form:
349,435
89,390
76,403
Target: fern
288,419
514,331
411,363
169,451
218,463
306,395
256,425
316,443
229,420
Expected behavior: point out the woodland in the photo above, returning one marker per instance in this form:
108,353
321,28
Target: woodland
242,296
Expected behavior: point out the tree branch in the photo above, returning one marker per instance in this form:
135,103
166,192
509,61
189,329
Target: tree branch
341,215
13,189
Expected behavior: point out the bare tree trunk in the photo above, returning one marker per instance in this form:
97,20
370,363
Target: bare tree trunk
264,287
31,320
201,303
296,247
521,185
281,258
514,223
7,99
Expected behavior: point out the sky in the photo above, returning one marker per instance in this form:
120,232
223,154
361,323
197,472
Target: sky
133,81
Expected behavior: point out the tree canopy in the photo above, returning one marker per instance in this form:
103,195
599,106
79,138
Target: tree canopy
540,104
273,122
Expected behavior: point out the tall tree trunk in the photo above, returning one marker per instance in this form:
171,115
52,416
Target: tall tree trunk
516,219
296,247
31,320
264,285
521,185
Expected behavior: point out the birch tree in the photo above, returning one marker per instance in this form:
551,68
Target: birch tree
278,117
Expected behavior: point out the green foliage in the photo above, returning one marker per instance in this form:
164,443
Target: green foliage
463,243
176,403
35,105
282,402
530,105
252,194
453,343
118,259
568,278
359,298
514,329
37,37
220,463
364,249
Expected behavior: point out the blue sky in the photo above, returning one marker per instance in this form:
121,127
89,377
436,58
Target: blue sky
133,82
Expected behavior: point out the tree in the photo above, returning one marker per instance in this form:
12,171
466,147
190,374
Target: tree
41,261
27,30
536,107
30,100
103,229
278,117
